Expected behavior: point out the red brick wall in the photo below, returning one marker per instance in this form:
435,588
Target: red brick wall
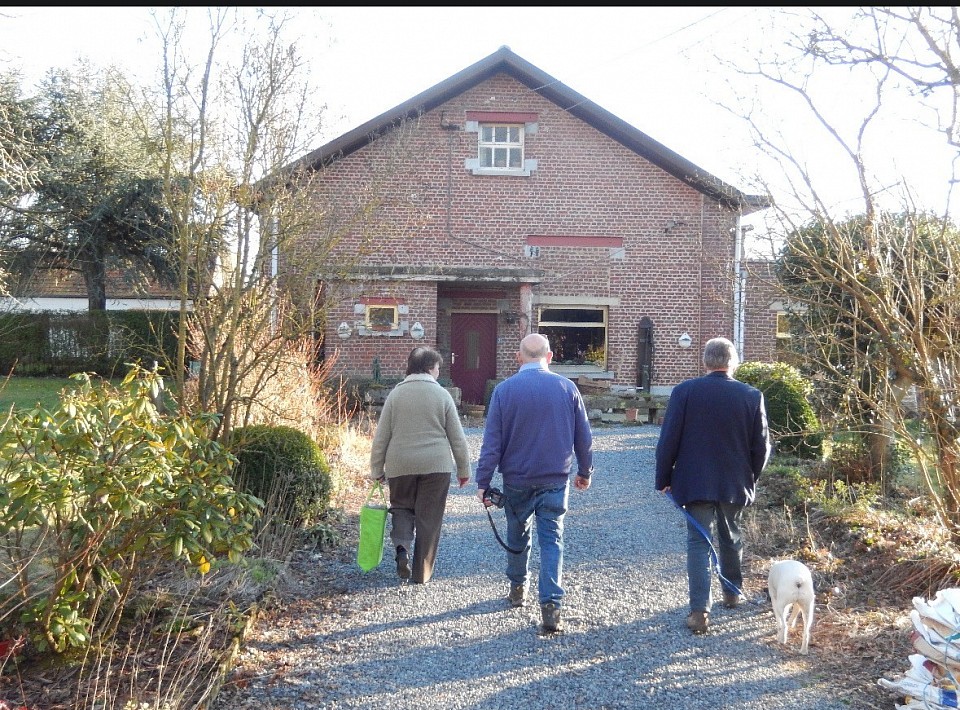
407,199
760,320
355,355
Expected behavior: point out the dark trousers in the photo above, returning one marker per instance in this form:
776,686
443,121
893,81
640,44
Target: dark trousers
417,503
721,521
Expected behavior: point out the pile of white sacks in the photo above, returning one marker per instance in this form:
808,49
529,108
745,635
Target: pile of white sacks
931,683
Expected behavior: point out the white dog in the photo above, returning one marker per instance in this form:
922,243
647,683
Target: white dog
791,591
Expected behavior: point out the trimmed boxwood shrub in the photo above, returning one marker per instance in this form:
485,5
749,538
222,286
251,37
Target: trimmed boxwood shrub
793,423
283,461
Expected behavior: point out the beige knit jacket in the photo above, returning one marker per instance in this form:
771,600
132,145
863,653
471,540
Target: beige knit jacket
419,431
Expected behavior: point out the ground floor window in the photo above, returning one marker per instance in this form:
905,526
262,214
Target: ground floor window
380,317
577,335
784,334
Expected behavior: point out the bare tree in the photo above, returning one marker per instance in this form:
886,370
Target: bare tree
20,157
881,288
235,129
917,45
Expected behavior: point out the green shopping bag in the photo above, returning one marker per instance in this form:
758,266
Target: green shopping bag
373,524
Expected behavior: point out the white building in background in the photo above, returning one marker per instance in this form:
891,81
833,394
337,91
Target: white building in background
64,291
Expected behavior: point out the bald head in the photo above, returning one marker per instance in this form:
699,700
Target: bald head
533,348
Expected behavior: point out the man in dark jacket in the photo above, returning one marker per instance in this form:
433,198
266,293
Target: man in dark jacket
536,429
713,446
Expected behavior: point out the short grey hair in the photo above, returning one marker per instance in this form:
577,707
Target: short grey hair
720,354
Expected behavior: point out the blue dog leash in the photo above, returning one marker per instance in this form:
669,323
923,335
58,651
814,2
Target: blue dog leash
726,583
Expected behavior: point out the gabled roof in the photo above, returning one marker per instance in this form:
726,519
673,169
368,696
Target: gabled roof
506,62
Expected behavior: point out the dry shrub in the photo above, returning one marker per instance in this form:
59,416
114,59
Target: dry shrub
868,564
295,394
288,390
257,365
171,651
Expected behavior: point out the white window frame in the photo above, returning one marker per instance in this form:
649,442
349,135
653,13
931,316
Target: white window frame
527,165
495,139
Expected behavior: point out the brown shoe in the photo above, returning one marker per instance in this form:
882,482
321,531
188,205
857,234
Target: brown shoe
517,595
731,600
698,621
550,615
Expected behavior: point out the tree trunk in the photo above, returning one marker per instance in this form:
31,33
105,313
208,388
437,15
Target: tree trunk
878,441
95,278
948,450
948,467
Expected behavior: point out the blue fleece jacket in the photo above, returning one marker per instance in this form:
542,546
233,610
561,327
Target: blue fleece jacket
536,428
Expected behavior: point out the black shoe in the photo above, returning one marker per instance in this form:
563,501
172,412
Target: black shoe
517,595
550,616
403,563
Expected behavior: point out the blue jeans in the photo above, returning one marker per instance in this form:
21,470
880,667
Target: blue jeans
722,522
547,505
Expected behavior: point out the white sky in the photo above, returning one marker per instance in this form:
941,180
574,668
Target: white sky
655,68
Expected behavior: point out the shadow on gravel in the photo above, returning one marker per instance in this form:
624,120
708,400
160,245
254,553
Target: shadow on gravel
456,643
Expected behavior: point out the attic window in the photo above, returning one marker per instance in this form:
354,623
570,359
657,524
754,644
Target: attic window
501,147
501,142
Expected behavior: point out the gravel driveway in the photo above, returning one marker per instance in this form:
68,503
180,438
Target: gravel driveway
456,643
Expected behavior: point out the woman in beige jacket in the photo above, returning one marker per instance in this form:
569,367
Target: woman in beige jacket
418,443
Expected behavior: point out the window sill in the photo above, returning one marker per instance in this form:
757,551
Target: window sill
496,171
529,166
594,372
366,332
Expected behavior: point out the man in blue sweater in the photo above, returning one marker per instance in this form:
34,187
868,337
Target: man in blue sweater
536,428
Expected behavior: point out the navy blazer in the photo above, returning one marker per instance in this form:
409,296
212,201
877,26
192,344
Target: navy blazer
714,442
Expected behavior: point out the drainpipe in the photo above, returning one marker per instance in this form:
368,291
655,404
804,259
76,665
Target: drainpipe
739,286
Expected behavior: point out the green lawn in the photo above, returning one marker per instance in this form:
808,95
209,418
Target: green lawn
25,392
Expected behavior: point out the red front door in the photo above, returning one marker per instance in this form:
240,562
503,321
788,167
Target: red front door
474,353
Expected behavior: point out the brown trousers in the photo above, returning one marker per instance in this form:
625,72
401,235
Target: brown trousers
417,503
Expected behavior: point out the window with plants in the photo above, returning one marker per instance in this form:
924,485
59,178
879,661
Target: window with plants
577,335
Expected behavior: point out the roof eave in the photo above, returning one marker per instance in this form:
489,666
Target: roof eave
505,61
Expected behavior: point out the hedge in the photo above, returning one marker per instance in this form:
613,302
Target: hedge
59,343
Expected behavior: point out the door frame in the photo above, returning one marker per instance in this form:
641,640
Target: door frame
476,385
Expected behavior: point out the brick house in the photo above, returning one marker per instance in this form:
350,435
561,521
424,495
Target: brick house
63,291
764,326
517,205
